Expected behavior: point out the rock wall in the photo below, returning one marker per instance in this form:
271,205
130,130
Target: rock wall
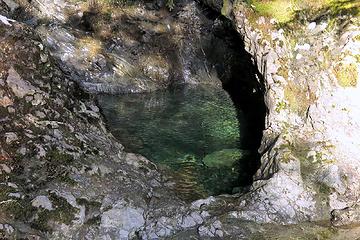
128,49
310,67
62,174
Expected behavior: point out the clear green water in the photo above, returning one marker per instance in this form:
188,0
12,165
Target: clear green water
193,132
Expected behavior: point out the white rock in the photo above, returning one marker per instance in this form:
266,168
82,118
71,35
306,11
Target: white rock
125,220
43,202
311,26
15,195
6,20
12,185
5,168
335,203
20,87
305,47
198,203
10,137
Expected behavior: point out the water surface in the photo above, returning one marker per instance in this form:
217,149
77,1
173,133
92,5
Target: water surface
192,131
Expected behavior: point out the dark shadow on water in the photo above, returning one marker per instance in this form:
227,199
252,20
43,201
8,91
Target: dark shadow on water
244,83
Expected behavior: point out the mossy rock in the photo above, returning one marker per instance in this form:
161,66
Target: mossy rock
346,74
224,158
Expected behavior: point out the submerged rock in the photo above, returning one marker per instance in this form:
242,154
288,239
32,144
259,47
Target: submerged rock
223,158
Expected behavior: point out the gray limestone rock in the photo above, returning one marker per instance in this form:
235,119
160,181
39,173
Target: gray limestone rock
19,86
43,202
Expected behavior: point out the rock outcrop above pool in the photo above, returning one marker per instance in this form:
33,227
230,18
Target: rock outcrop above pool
129,49
308,55
63,176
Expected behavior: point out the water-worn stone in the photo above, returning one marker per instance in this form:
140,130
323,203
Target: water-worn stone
19,86
121,223
346,216
43,202
151,50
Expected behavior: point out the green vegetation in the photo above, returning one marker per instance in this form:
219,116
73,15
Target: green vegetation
281,10
346,74
63,213
280,106
12,207
226,8
57,165
286,11
170,4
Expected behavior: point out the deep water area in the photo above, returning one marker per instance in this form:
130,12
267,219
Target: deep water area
192,131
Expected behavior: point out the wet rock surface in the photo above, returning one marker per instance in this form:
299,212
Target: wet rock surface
130,49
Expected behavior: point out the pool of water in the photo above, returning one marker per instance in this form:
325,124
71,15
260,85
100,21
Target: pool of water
192,131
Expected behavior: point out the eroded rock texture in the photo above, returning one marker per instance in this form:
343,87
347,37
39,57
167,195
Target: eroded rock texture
63,176
310,70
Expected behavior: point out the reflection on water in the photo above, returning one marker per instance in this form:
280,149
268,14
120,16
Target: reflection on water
192,131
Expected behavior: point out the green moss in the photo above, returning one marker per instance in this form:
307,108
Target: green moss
65,178
225,127
297,149
281,10
17,209
170,4
87,203
346,74
57,164
324,189
280,106
94,221
289,12
357,57
283,71
226,8
298,97
59,157
90,206
63,213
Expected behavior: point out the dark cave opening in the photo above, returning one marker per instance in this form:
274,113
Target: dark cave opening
244,83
